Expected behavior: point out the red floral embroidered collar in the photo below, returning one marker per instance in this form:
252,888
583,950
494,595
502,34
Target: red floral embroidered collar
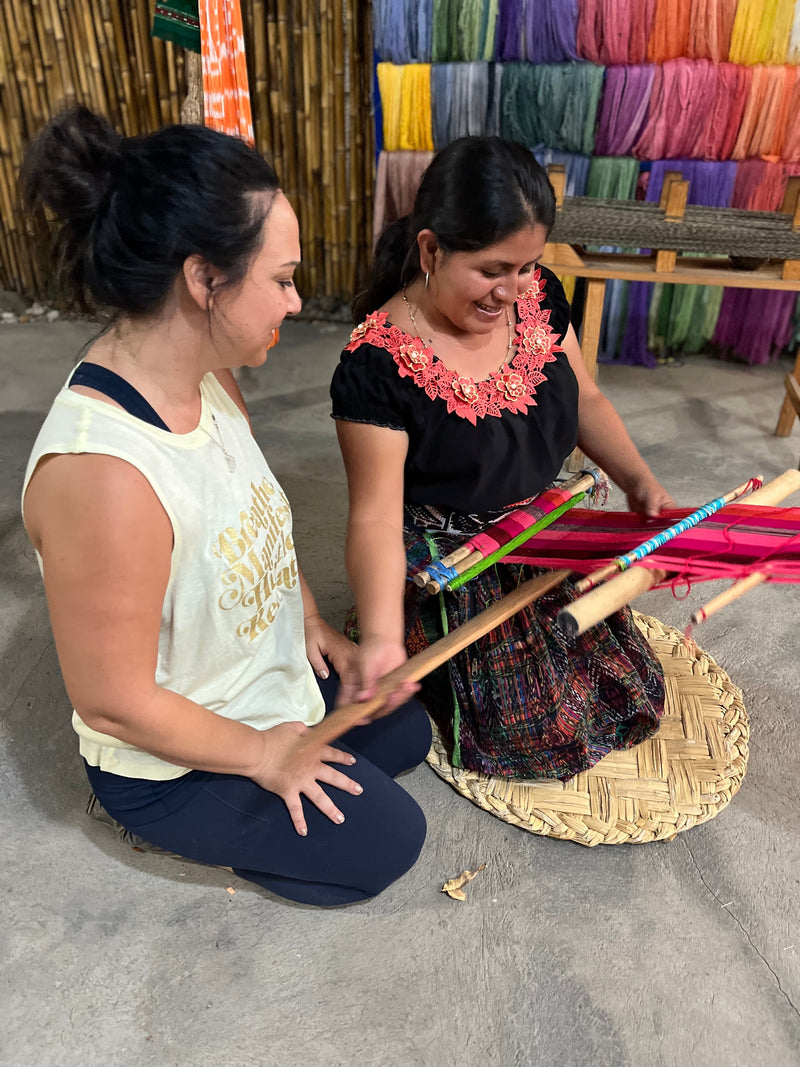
510,388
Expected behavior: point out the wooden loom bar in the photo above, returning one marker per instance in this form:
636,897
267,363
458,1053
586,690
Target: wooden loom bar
621,563
417,667
738,589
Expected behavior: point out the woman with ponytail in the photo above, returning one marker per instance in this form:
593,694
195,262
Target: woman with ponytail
461,393
185,631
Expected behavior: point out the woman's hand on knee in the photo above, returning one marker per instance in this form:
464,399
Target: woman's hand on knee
295,764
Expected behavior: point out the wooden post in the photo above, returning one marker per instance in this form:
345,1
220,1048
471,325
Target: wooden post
673,202
791,198
590,342
670,176
192,107
557,173
791,272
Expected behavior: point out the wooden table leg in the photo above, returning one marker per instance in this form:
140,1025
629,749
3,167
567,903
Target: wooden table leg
788,413
590,342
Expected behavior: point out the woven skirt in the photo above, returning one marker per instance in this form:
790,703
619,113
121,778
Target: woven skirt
525,700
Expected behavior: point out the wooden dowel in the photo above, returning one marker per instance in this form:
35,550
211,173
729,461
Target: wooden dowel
737,590
423,578
593,607
344,718
596,577
777,491
596,605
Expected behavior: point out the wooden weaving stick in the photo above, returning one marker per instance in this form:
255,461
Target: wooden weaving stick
596,605
627,559
744,585
344,718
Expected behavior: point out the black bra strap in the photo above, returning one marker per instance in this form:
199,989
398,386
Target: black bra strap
106,381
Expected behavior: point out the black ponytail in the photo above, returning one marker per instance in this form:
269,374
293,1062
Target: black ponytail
395,264
476,191
130,211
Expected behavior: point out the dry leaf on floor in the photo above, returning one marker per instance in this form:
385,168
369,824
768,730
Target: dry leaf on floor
453,887
230,890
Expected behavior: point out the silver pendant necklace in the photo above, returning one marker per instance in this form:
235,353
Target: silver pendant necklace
229,459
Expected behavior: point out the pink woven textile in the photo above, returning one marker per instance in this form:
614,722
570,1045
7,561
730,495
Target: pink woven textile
735,542
519,520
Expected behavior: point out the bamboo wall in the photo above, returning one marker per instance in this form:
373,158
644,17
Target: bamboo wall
310,69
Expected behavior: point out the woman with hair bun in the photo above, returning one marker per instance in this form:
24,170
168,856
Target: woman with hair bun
185,631
461,393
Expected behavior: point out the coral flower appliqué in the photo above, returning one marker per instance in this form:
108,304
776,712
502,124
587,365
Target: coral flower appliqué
510,385
413,356
511,388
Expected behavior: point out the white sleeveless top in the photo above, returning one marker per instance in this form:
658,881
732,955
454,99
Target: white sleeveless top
232,622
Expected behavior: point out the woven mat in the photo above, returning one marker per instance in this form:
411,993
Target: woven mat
684,775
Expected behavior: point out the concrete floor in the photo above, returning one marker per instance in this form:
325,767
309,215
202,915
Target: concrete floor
663,954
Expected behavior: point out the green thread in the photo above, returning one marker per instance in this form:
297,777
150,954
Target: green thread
504,550
551,103
613,178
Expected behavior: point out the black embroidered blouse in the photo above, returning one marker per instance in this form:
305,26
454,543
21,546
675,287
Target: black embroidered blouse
473,446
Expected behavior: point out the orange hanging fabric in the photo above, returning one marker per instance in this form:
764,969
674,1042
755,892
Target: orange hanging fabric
760,133
710,28
669,37
226,97
790,150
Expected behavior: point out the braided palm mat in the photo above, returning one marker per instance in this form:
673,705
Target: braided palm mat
682,776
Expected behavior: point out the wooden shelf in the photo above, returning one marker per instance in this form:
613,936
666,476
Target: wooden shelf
689,270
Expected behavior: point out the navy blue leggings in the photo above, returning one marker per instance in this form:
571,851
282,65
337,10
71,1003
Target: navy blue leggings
228,820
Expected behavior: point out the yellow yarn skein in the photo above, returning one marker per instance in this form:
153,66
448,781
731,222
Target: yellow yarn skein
761,31
406,102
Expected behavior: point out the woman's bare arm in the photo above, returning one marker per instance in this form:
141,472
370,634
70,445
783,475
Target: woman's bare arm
604,439
374,458
106,547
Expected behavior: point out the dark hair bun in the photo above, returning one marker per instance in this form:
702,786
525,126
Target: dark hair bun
71,165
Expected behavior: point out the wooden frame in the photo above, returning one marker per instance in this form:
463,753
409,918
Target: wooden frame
672,268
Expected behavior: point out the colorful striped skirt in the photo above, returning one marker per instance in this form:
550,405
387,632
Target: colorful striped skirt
526,701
